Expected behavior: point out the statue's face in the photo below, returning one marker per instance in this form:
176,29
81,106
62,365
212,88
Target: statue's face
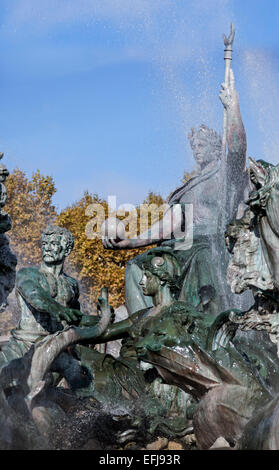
150,284
202,150
54,248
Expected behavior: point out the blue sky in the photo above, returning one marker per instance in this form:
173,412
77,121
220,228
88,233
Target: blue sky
101,94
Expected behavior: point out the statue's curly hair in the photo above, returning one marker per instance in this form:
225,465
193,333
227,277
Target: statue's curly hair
212,137
63,232
165,266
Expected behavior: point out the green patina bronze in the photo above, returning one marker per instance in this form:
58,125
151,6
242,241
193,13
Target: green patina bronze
228,363
217,360
48,301
124,380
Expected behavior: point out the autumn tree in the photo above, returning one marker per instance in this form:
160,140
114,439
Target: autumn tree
31,209
94,266
151,210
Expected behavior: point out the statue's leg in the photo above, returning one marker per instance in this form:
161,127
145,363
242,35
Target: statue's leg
209,287
134,298
75,374
200,285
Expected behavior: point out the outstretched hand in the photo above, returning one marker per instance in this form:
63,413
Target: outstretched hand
228,94
112,244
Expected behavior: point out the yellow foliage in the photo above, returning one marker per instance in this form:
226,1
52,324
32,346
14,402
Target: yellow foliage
95,266
30,206
31,209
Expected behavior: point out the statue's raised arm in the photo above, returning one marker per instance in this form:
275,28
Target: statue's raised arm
236,173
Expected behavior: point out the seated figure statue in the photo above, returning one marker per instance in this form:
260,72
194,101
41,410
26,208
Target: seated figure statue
202,273
48,301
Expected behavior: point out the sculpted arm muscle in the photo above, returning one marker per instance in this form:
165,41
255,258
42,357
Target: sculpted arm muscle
117,330
28,285
161,230
164,228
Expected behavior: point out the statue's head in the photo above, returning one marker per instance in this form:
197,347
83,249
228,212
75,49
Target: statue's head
57,243
159,269
206,145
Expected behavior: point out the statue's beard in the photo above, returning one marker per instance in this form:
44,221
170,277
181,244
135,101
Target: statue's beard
52,260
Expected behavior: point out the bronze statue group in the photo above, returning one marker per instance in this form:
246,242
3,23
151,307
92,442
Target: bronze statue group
189,359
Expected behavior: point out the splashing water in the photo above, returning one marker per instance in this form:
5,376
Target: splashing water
261,81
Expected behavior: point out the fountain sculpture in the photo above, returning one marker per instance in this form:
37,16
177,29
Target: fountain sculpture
182,329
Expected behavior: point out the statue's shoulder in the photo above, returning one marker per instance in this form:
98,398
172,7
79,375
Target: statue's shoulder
73,282
29,273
